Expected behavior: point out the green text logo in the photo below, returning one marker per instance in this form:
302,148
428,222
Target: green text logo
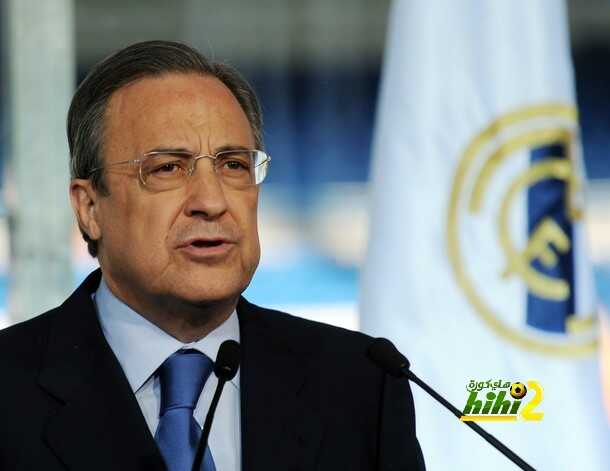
501,401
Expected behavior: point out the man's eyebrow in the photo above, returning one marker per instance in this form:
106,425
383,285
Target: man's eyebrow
230,147
184,150
170,150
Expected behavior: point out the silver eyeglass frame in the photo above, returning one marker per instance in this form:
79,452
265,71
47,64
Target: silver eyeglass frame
192,163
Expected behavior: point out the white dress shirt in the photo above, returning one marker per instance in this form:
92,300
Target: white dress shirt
141,347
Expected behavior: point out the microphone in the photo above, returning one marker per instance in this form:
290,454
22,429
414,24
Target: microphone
225,368
387,357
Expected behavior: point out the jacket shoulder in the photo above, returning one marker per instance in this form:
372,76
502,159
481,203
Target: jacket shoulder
22,344
280,319
323,337
352,387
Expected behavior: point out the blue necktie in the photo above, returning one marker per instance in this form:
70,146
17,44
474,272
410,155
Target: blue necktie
182,377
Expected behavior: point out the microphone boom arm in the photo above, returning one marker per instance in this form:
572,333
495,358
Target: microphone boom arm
488,437
387,357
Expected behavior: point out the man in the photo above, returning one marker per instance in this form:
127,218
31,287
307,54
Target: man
166,160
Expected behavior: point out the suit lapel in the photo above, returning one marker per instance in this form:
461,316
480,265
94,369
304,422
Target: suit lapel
98,425
281,424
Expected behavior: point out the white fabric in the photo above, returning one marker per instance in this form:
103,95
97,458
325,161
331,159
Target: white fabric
141,347
452,67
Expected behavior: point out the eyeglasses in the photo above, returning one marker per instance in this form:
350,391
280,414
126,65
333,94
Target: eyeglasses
168,170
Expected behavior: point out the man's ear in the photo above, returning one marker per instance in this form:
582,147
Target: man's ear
84,199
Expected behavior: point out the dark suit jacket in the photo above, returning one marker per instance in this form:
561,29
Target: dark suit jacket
310,398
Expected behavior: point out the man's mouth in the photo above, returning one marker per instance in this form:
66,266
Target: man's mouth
206,248
207,243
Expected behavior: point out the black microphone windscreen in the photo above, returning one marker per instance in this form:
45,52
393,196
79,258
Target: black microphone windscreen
387,357
227,360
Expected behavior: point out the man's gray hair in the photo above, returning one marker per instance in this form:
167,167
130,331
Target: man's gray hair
85,125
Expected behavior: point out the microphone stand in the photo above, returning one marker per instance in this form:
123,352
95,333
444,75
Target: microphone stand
225,369
493,441
383,353
207,426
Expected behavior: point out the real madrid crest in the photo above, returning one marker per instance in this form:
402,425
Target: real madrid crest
511,234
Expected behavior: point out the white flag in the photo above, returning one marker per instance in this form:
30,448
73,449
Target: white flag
474,267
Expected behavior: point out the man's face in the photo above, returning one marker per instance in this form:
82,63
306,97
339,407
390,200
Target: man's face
165,245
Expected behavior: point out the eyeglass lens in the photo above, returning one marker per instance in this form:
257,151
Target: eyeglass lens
162,171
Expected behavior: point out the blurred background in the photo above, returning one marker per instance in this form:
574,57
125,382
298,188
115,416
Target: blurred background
315,65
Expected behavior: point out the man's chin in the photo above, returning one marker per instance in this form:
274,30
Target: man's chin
201,284
208,291
210,300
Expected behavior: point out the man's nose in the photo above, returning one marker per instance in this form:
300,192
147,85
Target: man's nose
206,197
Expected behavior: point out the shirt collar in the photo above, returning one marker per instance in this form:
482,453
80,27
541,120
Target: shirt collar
141,347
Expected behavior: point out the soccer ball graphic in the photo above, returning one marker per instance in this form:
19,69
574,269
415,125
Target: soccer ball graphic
518,390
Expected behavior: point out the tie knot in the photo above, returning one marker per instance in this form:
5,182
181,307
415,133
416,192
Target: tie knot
182,377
